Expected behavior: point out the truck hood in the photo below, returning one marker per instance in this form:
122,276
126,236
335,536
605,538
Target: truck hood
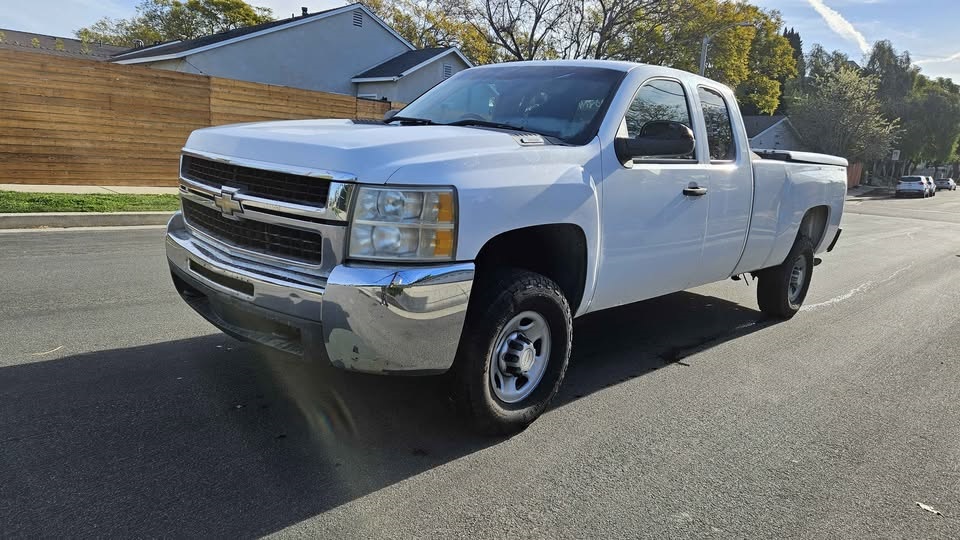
370,152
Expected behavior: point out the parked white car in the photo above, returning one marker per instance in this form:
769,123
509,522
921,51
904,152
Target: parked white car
466,233
931,186
912,186
946,183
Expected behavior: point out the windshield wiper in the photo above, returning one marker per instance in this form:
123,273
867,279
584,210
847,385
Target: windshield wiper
484,123
412,120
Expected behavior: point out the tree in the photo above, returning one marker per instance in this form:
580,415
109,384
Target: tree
932,120
821,64
524,29
842,115
896,77
771,61
595,28
793,38
895,73
164,20
790,86
436,23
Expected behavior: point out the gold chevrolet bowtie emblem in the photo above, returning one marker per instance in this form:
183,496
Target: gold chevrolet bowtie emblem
227,203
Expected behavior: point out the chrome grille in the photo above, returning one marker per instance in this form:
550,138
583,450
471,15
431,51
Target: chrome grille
264,238
278,186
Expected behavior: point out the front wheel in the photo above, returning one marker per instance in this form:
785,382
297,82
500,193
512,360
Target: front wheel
514,351
782,289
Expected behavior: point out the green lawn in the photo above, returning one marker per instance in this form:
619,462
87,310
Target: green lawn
15,202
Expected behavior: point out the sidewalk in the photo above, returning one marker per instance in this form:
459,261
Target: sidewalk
127,190
862,192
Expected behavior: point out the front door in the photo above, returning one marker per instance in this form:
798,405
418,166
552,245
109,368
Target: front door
652,232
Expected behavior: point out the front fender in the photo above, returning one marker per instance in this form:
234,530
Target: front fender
520,188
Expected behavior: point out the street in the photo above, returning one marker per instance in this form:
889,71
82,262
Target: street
123,413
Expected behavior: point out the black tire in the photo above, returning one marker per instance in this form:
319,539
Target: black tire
494,303
774,284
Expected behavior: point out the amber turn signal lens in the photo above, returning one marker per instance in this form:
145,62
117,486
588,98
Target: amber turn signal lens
445,207
444,244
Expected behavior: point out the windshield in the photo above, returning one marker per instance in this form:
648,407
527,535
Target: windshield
565,102
911,179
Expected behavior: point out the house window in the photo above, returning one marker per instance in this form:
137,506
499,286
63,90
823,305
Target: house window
368,96
447,71
358,19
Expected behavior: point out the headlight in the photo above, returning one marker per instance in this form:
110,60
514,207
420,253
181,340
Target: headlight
411,224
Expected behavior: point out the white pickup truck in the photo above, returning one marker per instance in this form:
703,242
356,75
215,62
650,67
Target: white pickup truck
464,234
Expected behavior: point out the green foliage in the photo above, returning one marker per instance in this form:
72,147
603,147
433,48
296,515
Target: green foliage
842,115
436,23
770,62
3,36
17,202
822,64
756,58
35,43
793,37
932,120
164,20
58,45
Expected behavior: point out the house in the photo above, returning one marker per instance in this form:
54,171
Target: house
57,46
773,133
405,77
345,50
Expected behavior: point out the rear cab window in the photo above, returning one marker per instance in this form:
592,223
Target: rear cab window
716,118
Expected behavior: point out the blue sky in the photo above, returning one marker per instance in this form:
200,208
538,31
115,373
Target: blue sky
923,27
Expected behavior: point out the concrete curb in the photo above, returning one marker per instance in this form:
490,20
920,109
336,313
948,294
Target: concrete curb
82,219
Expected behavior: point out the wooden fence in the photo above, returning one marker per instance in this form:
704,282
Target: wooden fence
68,121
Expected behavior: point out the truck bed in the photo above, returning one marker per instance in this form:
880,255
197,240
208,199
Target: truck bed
786,185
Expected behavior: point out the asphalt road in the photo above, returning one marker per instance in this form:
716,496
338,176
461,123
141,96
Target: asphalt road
122,413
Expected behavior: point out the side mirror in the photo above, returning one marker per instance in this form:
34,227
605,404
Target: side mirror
390,114
658,139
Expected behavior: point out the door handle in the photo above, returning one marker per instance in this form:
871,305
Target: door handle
694,190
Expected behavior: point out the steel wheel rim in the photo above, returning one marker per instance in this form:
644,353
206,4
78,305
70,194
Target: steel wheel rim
797,275
515,373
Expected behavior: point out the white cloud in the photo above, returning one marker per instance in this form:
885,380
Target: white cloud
939,60
840,25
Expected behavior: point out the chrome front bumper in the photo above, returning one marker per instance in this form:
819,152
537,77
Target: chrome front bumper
369,318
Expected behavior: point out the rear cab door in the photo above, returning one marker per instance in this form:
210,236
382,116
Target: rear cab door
729,194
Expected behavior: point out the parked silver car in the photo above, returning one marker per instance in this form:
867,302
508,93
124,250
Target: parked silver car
931,187
912,186
945,183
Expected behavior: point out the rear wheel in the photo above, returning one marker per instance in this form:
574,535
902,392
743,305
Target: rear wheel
782,289
513,352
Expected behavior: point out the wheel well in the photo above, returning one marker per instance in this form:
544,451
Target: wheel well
558,252
814,224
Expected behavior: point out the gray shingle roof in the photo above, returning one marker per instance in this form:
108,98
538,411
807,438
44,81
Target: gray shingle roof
190,44
758,124
398,64
58,46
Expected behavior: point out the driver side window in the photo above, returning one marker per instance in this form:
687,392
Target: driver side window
659,99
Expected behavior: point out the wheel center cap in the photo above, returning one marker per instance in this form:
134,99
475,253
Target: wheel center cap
527,357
